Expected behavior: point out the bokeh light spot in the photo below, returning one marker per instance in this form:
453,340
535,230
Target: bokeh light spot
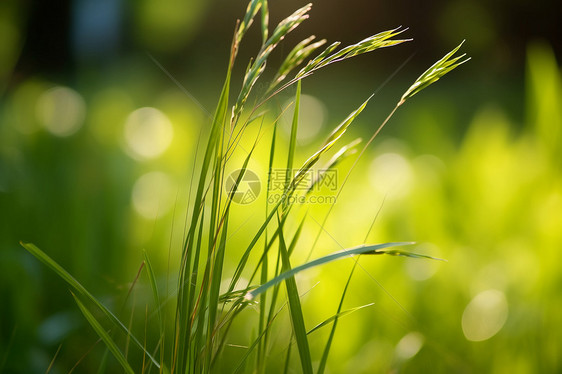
148,133
485,315
312,116
61,111
391,174
409,345
153,195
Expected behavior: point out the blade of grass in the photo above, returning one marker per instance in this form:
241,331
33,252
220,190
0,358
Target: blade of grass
53,360
214,292
288,357
7,348
430,76
185,296
345,152
78,287
103,363
154,287
337,316
334,136
377,249
263,263
295,307
104,336
326,352
275,293
293,137
250,349
208,295
262,335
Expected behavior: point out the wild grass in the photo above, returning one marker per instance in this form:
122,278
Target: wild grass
204,314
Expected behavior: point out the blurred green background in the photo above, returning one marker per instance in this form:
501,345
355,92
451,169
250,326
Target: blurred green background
97,145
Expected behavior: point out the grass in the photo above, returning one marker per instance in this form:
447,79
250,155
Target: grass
194,342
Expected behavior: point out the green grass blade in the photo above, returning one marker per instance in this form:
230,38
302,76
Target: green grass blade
345,152
296,237
263,263
103,362
154,287
295,307
191,247
244,259
361,250
328,346
334,136
215,289
337,316
293,136
288,357
78,287
191,286
397,252
271,315
104,336
255,343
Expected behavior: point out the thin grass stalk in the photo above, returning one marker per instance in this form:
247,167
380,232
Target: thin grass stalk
295,307
293,138
214,293
80,289
184,295
109,342
262,347
326,352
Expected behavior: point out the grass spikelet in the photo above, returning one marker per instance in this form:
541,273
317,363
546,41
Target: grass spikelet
434,73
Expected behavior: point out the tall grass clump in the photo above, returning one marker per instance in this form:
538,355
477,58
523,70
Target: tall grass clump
204,308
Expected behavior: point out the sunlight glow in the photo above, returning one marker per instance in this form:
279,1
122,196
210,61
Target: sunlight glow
148,133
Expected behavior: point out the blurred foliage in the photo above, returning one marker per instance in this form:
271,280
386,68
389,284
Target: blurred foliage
480,187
